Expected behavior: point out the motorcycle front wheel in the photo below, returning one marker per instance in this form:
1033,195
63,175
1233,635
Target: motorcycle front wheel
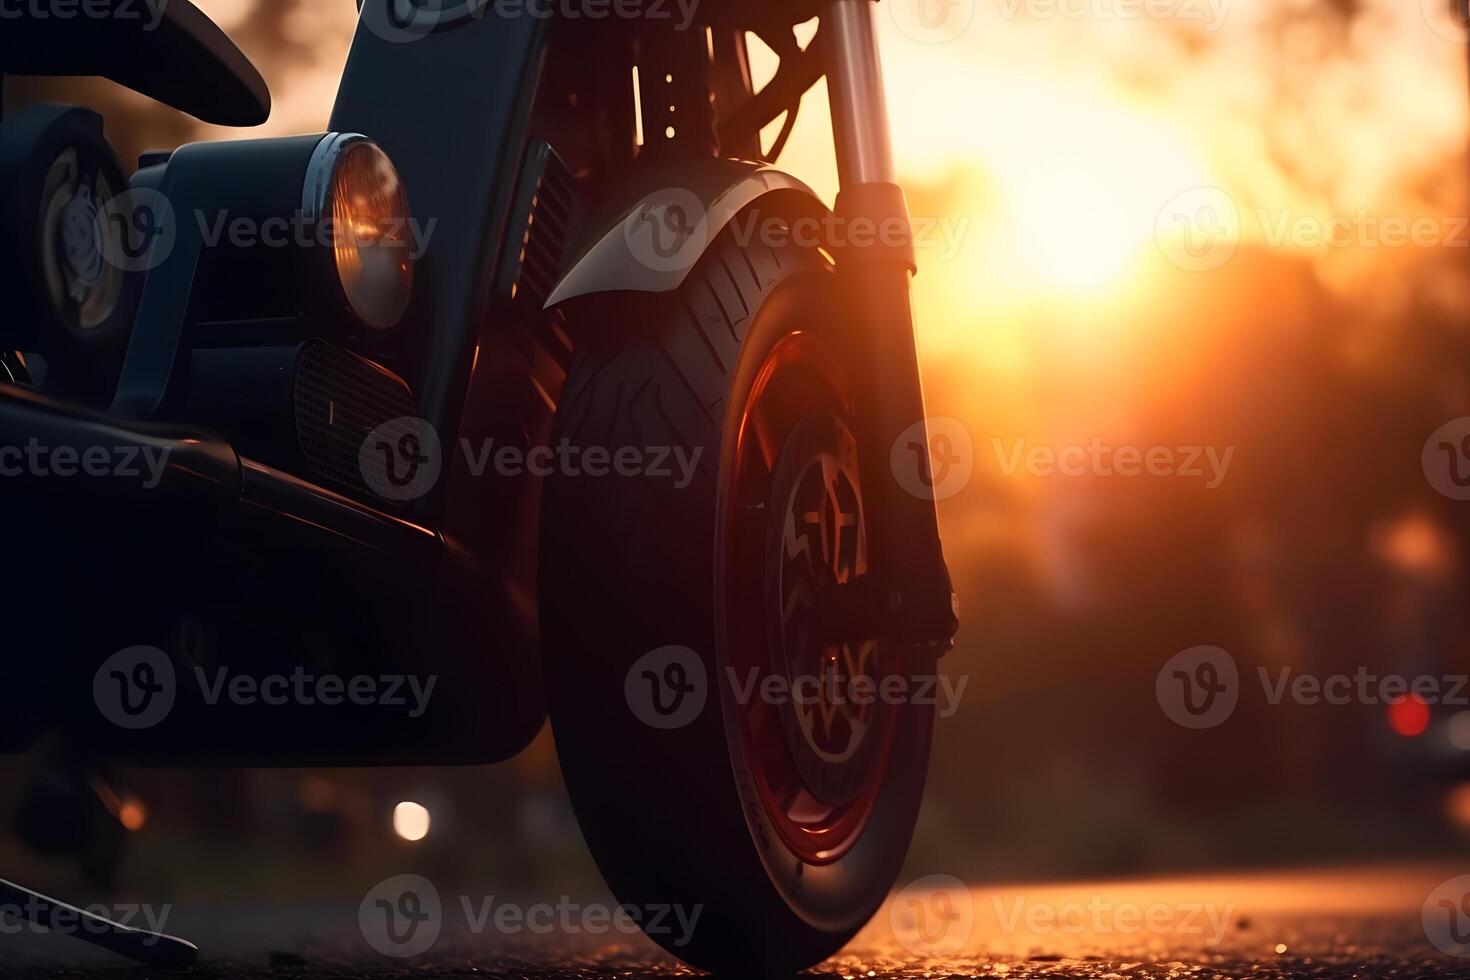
742,803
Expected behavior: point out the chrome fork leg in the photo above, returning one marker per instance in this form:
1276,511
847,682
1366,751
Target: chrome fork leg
908,559
855,88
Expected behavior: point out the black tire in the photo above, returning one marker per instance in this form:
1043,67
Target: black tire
633,565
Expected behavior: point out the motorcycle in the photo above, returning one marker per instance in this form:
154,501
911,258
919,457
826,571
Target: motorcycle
532,376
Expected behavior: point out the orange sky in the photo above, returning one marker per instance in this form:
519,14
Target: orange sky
1061,136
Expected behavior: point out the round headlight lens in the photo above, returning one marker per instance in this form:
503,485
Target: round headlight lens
372,234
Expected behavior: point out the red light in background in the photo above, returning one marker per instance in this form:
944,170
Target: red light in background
132,814
1409,716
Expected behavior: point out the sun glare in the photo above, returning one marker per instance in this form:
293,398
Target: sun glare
1048,190
1078,178
1072,225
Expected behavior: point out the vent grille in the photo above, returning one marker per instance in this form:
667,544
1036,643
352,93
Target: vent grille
551,216
339,400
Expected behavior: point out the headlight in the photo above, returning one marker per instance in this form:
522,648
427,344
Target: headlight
352,184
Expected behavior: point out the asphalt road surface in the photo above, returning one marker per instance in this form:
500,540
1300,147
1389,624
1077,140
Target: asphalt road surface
1364,922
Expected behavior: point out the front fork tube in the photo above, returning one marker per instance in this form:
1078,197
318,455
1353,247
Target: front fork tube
907,557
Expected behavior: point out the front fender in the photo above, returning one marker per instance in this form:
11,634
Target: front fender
655,237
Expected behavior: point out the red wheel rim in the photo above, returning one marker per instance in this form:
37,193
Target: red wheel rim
798,380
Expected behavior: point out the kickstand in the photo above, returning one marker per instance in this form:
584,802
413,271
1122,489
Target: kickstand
149,948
